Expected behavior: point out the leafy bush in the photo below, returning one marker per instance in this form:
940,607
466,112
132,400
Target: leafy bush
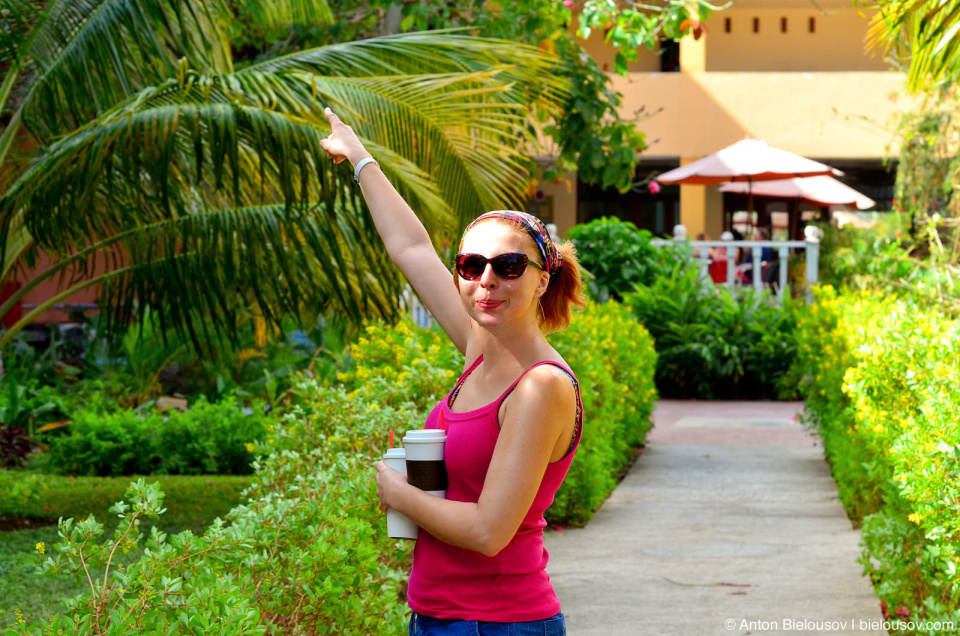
614,359
308,553
207,439
713,343
618,256
881,376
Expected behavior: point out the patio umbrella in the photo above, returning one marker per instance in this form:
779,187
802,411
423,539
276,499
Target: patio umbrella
819,191
749,160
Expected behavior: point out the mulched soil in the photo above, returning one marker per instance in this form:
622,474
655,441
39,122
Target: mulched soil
13,524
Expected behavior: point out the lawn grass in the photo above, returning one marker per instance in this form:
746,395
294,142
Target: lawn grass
192,502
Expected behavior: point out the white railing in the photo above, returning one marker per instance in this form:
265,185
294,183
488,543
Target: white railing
781,250
418,312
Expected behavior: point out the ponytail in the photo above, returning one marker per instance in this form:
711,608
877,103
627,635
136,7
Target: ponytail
564,293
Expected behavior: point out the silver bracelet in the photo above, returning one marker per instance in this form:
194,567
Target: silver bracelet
363,162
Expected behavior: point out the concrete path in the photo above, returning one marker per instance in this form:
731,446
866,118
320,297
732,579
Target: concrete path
728,523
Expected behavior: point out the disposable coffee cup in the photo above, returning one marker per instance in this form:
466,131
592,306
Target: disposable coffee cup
398,525
425,466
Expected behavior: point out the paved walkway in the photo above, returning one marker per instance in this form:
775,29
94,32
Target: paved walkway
728,523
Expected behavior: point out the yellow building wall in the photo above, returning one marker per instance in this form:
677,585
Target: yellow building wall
837,43
818,115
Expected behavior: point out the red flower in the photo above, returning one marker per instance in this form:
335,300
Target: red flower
903,611
654,187
568,4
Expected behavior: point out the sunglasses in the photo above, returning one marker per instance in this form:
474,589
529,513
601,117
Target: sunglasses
508,266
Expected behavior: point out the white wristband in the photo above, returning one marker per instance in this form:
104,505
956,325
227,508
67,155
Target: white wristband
363,162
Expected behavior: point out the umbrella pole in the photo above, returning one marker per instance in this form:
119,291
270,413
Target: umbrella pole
794,218
750,203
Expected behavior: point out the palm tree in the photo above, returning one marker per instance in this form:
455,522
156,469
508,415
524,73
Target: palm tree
202,186
921,33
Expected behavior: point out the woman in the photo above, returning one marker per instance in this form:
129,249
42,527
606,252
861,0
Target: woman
513,420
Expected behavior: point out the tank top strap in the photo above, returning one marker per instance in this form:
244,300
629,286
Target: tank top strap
463,376
576,389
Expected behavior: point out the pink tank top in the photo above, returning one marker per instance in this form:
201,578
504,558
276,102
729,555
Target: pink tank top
455,583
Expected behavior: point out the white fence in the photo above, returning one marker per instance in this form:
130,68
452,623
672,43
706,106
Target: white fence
737,273
418,312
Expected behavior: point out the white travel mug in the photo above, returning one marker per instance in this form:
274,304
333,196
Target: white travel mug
398,525
424,461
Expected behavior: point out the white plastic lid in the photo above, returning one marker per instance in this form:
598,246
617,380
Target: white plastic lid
424,436
396,453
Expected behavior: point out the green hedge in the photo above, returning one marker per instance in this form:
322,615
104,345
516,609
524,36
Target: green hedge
309,552
881,379
204,440
614,359
714,343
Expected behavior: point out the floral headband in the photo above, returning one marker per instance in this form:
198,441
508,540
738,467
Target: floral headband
552,260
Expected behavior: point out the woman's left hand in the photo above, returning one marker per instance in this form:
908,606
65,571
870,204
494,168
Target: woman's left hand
389,481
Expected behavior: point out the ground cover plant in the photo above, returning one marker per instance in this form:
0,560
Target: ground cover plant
33,501
880,378
308,551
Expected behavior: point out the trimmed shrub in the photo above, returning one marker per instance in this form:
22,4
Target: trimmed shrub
207,439
881,379
713,343
617,257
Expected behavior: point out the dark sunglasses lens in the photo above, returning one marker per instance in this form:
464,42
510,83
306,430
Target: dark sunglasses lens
509,266
470,266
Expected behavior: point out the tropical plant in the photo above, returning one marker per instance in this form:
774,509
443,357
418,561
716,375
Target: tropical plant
590,134
921,34
618,256
915,252
136,140
714,342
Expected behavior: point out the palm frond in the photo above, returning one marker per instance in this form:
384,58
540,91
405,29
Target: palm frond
207,192
18,19
241,132
435,52
923,34
282,260
287,13
93,54
456,127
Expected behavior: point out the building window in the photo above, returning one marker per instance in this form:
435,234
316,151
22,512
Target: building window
669,56
756,25
727,25
783,25
813,25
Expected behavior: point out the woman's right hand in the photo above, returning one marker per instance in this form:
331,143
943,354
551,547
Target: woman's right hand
342,143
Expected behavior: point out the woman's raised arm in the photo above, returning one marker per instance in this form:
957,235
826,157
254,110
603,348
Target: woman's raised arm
404,236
